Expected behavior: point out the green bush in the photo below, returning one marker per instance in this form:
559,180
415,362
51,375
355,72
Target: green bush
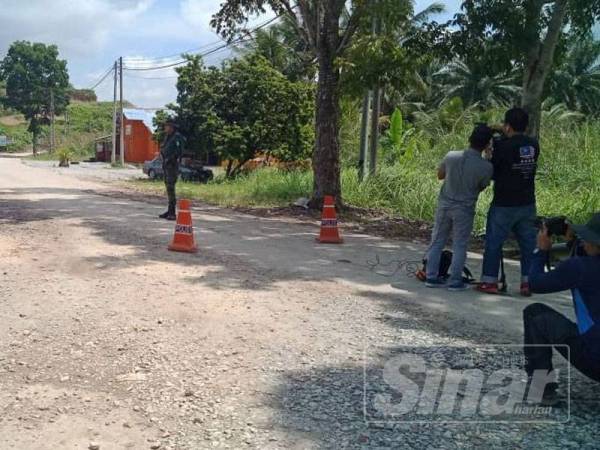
18,135
64,155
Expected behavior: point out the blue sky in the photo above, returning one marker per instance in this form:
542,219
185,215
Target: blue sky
90,34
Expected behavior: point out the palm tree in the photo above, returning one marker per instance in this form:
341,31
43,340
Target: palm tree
282,46
576,81
415,92
475,86
423,16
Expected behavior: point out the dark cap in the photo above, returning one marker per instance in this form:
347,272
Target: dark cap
590,232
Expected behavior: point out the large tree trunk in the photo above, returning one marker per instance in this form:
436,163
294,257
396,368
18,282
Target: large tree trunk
326,156
539,63
326,160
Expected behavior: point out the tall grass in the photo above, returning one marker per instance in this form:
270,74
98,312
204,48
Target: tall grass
568,180
262,188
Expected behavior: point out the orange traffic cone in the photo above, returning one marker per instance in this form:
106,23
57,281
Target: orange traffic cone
330,234
183,240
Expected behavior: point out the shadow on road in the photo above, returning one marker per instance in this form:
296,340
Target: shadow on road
321,405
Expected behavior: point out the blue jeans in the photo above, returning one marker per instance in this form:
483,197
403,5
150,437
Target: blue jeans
501,220
455,221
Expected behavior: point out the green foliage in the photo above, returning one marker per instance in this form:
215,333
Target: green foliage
32,72
82,95
91,117
576,80
376,60
244,108
408,187
77,129
158,121
266,187
18,135
396,132
401,141
282,45
475,86
3,108
350,117
64,155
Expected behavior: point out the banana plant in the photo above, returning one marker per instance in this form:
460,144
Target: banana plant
398,142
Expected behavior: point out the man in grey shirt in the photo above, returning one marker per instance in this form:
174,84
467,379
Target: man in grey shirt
465,174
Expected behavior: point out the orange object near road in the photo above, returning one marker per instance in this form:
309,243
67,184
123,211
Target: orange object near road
183,240
330,233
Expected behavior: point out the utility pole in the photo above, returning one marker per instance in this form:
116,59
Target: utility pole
113,154
122,137
52,136
364,135
375,108
67,122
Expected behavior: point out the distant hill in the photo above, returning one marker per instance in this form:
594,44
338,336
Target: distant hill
82,95
83,122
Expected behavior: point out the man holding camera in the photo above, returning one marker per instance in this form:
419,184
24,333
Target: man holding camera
465,174
513,207
545,327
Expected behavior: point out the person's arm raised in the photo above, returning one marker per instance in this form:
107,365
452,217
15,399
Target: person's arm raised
564,277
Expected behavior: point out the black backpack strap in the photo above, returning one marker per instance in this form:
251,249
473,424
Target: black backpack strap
468,275
503,285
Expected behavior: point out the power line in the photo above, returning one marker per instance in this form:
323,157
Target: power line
209,52
151,78
159,59
165,66
172,77
102,78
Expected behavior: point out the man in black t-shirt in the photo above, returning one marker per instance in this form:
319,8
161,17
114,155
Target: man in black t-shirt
513,208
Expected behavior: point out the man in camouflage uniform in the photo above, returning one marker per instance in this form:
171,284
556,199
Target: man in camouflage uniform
171,150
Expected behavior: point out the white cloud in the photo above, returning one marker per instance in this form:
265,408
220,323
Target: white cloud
79,28
197,12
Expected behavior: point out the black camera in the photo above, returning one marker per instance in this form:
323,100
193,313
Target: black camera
556,226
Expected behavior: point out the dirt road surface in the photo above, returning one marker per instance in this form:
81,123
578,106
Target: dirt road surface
257,341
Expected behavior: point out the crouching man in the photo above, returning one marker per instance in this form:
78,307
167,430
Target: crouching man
546,327
465,174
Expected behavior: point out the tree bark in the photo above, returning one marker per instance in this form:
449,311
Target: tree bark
326,156
539,63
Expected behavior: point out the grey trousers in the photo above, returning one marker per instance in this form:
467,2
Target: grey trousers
455,222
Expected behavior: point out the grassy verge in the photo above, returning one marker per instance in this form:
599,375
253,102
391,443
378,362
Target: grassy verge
262,188
405,191
567,182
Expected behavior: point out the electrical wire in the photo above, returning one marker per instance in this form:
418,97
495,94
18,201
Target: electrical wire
207,55
209,52
172,77
102,78
178,54
395,266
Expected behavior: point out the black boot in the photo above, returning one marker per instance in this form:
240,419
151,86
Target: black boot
171,213
164,215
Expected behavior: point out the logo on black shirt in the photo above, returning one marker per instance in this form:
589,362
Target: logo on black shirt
527,152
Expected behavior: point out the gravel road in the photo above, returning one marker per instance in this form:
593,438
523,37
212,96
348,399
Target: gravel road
91,171
263,339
